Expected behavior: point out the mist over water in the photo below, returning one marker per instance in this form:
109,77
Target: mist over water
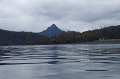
72,61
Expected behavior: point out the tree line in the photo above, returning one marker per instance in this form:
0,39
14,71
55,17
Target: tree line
112,32
29,38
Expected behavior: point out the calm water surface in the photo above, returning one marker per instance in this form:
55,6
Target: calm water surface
60,62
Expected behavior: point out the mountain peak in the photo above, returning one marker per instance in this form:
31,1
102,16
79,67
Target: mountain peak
51,31
53,26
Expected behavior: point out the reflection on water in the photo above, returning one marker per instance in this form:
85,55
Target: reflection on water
60,62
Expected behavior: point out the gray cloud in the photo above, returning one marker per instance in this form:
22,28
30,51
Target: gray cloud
37,15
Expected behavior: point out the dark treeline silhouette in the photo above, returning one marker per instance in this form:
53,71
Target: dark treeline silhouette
112,32
21,38
29,38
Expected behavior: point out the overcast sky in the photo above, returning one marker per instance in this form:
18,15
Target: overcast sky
37,15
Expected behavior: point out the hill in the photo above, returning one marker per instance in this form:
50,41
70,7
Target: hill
21,38
112,32
54,35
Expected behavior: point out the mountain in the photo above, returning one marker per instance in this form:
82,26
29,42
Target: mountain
61,37
51,31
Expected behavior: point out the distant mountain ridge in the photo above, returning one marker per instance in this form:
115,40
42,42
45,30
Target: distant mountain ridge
51,31
111,33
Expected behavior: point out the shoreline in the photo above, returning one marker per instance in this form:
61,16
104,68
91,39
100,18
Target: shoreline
109,41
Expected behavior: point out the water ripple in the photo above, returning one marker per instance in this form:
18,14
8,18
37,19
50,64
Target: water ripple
95,61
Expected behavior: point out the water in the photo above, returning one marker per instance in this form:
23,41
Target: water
60,62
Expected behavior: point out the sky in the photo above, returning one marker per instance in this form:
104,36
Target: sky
77,15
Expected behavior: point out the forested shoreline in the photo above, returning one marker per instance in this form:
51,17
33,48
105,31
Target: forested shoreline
29,38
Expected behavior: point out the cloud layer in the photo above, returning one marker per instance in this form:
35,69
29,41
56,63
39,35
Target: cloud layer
79,15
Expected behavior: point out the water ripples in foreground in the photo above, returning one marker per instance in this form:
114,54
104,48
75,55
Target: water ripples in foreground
80,61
